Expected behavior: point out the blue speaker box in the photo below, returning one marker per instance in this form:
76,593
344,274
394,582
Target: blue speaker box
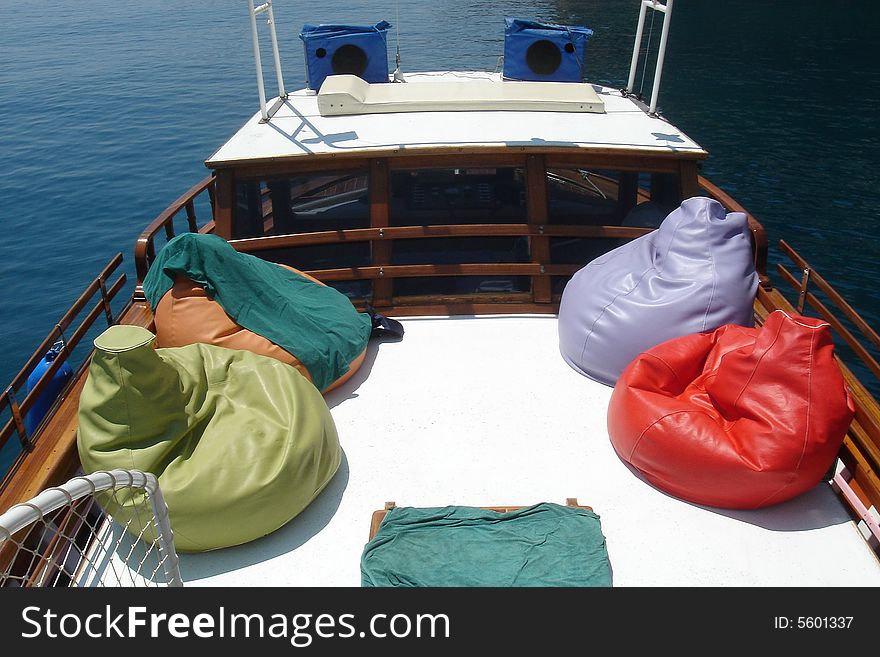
338,49
544,51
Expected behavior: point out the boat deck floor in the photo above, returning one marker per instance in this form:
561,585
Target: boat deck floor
484,412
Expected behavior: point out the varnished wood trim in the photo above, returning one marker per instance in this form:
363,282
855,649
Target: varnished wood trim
817,280
379,515
380,189
863,470
65,321
256,244
71,340
258,170
224,195
401,309
411,271
539,245
645,162
54,458
688,179
823,311
482,298
458,161
144,248
594,156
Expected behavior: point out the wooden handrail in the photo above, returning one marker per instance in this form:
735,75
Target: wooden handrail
254,244
759,235
467,269
65,321
839,301
829,317
100,307
144,248
537,231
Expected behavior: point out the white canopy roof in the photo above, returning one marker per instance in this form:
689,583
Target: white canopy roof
299,129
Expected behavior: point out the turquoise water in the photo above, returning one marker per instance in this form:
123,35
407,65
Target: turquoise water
107,111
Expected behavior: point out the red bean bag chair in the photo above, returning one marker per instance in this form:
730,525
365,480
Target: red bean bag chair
738,417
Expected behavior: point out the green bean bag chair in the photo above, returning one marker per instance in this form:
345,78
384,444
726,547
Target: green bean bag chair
240,443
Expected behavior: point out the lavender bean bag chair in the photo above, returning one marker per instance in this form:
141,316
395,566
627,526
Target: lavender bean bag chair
694,273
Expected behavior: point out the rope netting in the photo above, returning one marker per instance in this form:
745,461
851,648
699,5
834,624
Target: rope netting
106,529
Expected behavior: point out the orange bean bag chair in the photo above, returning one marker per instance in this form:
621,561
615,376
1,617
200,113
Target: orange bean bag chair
185,315
737,417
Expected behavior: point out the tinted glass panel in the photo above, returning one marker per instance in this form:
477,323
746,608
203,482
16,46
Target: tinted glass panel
453,285
458,196
302,204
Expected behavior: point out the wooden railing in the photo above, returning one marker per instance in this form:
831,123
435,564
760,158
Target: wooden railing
381,272
410,304
254,244
858,483
9,399
382,238
145,247
810,276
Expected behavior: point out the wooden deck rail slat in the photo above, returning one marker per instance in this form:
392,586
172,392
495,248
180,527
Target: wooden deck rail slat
539,243
93,287
817,280
54,458
468,269
829,317
255,244
380,218
11,427
144,249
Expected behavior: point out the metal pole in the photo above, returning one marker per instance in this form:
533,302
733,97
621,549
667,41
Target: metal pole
281,92
660,55
635,58
257,60
164,534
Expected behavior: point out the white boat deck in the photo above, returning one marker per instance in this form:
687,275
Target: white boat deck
484,411
299,129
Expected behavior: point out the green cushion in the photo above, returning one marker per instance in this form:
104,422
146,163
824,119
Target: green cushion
240,443
541,545
315,323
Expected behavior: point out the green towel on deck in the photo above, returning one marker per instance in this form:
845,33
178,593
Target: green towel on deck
315,323
541,545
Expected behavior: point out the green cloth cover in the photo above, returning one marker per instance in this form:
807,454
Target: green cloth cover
315,323
240,443
541,545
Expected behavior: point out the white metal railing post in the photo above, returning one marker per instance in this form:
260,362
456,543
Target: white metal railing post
259,64
643,10
164,535
661,54
666,10
281,91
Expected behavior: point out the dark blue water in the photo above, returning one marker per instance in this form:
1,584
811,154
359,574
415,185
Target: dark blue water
108,109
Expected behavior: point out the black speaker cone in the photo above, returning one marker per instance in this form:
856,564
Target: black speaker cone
349,59
543,57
